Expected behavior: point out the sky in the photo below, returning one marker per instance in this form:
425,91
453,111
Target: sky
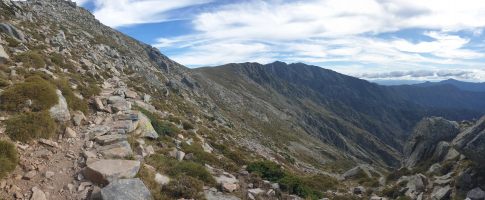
370,39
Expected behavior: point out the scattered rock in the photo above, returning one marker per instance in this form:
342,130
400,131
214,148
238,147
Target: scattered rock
110,139
30,175
49,174
359,190
161,179
60,112
229,187
105,171
440,193
78,117
131,94
126,189
69,133
3,55
476,194
49,143
117,150
38,194
146,128
99,104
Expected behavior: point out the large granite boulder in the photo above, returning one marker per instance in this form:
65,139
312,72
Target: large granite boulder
60,112
106,171
145,127
427,134
471,142
126,189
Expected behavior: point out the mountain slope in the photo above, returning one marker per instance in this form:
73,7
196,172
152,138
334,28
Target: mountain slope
366,121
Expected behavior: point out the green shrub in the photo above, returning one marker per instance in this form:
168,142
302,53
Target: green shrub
147,177
321,182
41,92
89,90
393,176
73,101
236,155
33,125
267,170
8,158
192,169
187,125
176,168
31,59
12,42
295,185
392,192
184,187
3,83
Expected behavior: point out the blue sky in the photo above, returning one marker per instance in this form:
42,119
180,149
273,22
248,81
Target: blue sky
371,39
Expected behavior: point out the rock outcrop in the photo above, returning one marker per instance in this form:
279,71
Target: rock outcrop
426,137
471,142
126,189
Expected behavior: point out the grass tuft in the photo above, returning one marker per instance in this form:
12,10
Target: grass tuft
8,158
33,125
41,92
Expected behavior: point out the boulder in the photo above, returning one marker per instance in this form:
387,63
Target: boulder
215,195
60,112
121,106
125,125
161,179
106,171
131,94
3,55
99,104
359,190
476,194
229,187
440,193
38,194
110,139
145,127
78,117
126,189
69,133
471,142
12,31
117,150
425,138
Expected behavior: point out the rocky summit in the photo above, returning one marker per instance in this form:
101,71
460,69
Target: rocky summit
87,112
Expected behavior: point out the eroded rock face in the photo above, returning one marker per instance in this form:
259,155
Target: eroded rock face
471,142
126,189
426,136
12,31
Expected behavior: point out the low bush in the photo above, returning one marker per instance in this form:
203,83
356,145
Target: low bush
8,158
236,155
41,92
33,125
185,187
147,177
31,59
187,125
89,90
175,168
267,170
295,185
12,42
3,83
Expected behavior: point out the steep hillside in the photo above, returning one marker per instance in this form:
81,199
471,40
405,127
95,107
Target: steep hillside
354,116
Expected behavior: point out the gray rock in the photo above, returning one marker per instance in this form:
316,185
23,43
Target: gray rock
105,171
476,194
426,136
125,125
69,133
3,55
12,31
117,150
126,189
121,106
38,194
471,142
131,94
78,117
110,139
146,128
30,175
49,143
440,193
99,104
440,151
359,190
162,179
60,112
214,195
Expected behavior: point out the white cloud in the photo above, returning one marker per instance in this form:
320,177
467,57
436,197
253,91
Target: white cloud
116,13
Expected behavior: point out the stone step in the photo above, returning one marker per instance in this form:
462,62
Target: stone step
126,189
117,150
106,171
110,139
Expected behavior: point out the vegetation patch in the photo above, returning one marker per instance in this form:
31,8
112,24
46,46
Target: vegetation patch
32,125
175,168
8,158
31,59
12,42
41,92
161,126
184,187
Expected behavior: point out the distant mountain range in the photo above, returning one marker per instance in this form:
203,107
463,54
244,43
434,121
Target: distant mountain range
467,86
